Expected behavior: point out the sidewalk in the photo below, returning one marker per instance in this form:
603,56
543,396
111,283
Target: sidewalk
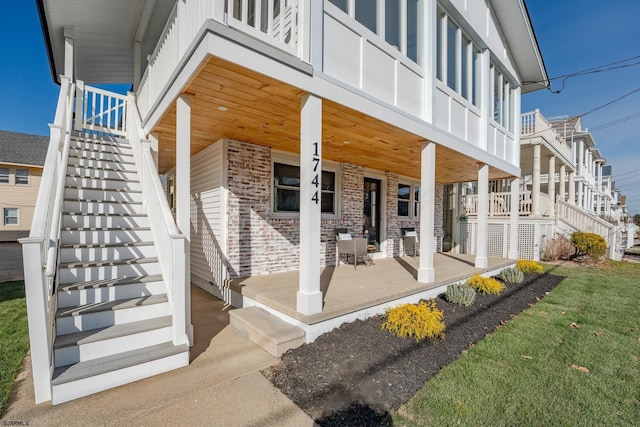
222,386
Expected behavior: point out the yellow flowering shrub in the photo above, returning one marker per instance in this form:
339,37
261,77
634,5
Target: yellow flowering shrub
422,320
528,266
486,285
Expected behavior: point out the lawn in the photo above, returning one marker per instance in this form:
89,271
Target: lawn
14,336
571,359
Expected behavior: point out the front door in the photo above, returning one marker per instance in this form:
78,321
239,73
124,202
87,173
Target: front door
371,214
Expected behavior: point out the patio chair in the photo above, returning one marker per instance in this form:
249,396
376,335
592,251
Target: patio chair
350,247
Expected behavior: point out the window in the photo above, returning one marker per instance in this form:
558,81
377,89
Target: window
404,198
412,30
340,4
286,189
458,60
392,23
416,201
22,176
366,14
502,96
10,216
4,175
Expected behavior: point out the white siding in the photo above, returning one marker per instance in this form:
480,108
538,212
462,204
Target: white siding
208,237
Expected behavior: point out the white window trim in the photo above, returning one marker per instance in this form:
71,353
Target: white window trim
8,176
294,160
15,177
412,202
4,217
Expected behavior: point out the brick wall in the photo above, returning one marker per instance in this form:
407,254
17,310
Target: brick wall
259,242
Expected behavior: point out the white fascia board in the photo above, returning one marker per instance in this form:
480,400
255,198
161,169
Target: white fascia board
319,84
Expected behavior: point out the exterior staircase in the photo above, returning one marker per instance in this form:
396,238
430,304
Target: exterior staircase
113,322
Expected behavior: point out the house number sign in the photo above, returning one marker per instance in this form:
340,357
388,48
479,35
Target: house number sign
316,180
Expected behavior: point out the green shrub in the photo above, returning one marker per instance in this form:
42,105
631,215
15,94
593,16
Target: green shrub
528,267
461,293
590,244
511,276
422,320
486,285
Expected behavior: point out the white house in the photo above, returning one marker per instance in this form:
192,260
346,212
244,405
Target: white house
273,124
565,187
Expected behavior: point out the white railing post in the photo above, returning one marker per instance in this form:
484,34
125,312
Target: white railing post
38,301
178,289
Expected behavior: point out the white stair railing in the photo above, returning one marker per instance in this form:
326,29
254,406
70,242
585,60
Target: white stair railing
40,249
100,111
170,243
584,221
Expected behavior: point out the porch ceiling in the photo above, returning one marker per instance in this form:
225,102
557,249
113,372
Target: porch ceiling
264,111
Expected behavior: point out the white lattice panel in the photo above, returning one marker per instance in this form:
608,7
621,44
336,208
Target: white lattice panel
465,238
526,240
496,239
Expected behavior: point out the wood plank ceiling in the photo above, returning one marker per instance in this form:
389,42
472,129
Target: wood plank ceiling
264,111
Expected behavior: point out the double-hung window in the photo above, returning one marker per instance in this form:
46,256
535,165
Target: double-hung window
10,216
286,189
4,175
502,99
22,176
409,200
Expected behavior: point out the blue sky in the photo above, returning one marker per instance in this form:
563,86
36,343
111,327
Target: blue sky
573,35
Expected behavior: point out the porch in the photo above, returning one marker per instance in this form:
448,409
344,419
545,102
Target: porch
350,294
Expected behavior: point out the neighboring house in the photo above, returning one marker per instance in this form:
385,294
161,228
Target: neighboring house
21,162
274,124
565,187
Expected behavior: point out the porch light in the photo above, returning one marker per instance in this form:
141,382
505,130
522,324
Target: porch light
222,108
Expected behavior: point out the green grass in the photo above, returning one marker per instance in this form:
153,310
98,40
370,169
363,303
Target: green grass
14,336
522,374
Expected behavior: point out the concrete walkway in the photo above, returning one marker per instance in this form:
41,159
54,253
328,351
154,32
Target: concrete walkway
222,386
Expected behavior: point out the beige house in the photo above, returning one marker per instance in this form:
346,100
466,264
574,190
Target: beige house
21,163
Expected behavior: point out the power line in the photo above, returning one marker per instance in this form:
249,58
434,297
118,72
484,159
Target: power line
614,122
594,70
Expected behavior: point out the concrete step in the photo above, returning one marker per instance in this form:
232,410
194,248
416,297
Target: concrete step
271,333
102,207
88,345
93,376
110,269
104,184
79,193
96,295
104,221
102,164
94,253
101,315
104,236
82,172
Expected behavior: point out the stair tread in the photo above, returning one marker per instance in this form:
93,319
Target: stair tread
105,228
72,175
111,305
117,190
137,215
105,245
105,283
110,332
120,162
126,261
103,365
103,201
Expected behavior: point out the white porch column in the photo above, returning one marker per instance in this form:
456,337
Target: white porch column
572,188
535,184
68,52
482,242
551,186
183,192
563,189
514,215
580,194
581,158
309,296
426,273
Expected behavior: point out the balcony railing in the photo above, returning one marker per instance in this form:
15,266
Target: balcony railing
499,204
534,124
275,22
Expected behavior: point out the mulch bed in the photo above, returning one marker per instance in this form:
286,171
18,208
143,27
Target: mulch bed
355,374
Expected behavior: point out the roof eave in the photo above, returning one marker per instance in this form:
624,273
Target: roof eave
47,41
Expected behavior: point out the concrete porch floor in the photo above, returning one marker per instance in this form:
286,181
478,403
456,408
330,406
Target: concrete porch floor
347,290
